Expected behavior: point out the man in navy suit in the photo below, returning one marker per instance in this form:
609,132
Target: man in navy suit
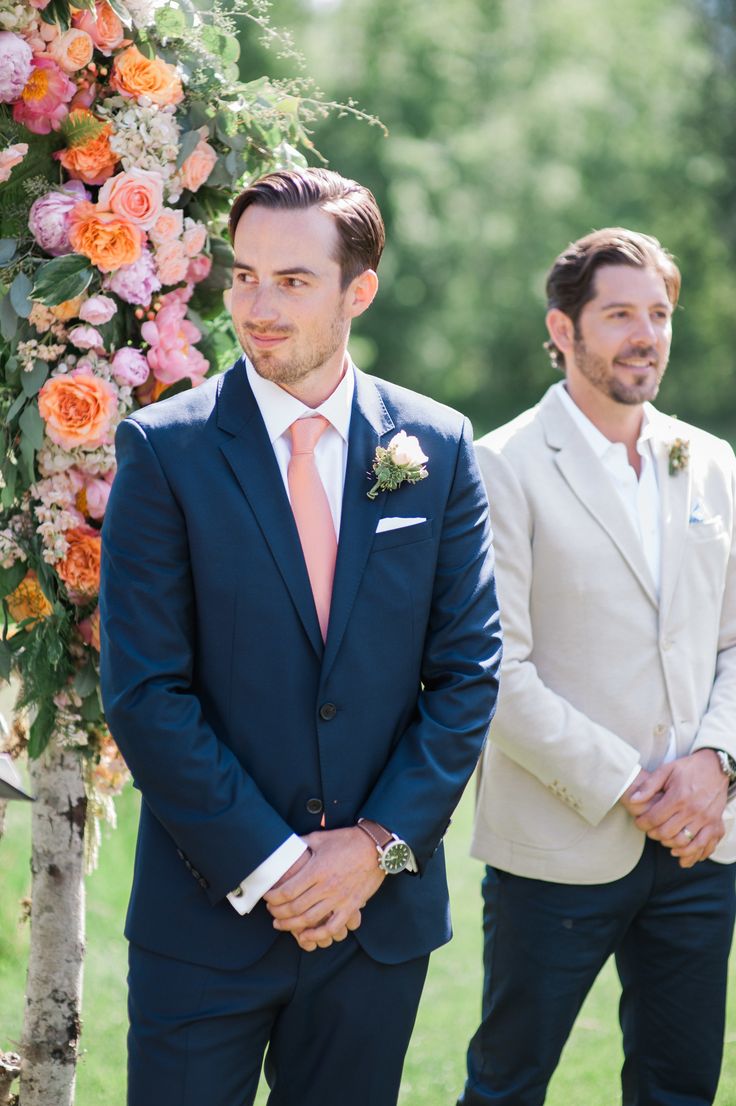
299,756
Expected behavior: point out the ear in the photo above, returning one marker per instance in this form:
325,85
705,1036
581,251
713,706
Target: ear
361,292
561,329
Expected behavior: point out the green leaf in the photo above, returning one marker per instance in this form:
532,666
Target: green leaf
32,382
85,680
41,729
8,246
32,426
8,319
170,22
182,385
120,11
189,143
91,709
230,48
11,577
79,129
58,12
10,476
15,407
63,278
6,660
19,292
198,115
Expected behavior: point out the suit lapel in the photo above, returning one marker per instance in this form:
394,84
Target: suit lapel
582,472
250,455
369,420
675,494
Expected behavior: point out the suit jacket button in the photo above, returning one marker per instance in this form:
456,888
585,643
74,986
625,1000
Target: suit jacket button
327,711
314,806
203,883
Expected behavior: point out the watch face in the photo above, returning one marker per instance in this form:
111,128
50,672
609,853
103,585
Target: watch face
395,857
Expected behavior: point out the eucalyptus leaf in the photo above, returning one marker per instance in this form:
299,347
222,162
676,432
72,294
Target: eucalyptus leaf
91,709
32,426
85,681
32,382
63,278
19,292
11,577
8,319
198,115
189,143
6,661
41,729
10,476
8,246
15,407
170,22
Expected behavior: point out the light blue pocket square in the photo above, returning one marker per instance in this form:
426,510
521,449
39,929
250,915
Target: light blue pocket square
697,514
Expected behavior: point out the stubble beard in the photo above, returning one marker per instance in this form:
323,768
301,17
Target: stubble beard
302,362
642,388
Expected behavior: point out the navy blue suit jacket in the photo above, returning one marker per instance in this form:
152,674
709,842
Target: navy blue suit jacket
214,670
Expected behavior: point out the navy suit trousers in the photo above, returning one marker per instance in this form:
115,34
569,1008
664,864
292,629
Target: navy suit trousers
669,929
334,1025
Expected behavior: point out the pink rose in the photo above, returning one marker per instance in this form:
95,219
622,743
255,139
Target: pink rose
86,337
137,195
171,262
135,283
97,493
73,50
194,237
10,157
43,103
168,225
130,367
199,268
97,310
172,355
199,164
103,27
49,217
16,65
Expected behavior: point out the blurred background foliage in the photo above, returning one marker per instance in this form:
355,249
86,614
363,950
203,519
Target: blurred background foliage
516,126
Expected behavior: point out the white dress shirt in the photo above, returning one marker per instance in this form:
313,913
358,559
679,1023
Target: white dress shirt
639,496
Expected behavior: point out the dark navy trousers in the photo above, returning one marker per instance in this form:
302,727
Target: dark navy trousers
334,1025
669,929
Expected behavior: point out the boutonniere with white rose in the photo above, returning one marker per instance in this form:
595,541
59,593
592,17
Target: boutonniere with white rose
679,456
402,461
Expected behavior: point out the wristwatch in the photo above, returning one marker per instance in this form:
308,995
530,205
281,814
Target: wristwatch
728,765
394,854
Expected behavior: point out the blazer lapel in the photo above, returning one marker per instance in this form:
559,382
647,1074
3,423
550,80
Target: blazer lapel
675,495
583,474
369,421
250,455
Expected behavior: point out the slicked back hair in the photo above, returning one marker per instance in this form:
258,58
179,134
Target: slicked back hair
571,280
360,230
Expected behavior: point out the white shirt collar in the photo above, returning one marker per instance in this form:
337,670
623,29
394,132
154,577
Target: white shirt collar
597,441
279,409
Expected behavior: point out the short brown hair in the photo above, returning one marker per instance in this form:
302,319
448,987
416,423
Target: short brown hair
361,233
571,280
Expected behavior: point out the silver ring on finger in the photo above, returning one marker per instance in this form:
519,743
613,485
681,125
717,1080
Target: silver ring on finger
688,833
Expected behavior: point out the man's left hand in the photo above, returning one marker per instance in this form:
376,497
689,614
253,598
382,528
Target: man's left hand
323,900
687,800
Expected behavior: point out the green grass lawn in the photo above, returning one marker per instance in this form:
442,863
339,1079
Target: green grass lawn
588,1075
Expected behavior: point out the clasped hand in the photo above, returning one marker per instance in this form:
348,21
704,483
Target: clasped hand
320,897
681,804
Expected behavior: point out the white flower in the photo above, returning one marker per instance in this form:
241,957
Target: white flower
406,451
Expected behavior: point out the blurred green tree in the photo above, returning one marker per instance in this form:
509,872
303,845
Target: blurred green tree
515,127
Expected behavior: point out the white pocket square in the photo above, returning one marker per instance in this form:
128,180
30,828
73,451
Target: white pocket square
396,523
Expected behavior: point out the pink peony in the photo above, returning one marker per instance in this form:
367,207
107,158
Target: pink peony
136,195
171,262
199,268
10,157
16,66
49,217
97,493
194,238
130,367
172,355
135,283
169,224
199,164
86,337
43,103
97,310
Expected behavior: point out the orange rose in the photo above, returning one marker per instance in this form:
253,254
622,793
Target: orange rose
94,161
107,239
78,409
80,568
133,74
72,50
28,601
199,164
103,27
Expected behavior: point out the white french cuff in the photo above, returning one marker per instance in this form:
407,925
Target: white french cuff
262,878
385,524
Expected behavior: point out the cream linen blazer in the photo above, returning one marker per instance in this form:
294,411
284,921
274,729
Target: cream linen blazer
597,668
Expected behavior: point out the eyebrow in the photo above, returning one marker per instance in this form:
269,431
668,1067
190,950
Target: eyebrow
609,306
295,270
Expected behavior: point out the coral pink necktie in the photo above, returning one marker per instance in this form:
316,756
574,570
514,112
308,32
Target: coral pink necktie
312,513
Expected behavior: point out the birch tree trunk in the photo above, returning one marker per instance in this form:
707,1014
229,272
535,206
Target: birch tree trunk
54,987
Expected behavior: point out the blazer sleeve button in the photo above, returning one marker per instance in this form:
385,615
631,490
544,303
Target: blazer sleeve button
327,711
314,806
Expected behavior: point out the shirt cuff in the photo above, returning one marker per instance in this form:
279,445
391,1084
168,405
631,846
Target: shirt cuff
262,879
634,773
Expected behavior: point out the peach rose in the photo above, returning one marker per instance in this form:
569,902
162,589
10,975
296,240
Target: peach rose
168,225
28,601
199,164
78,409
107,239
171,262
133,74
194,238
94,161
80,568
103,27
137,196
72,50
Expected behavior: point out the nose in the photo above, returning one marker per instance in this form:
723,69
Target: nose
644,332
263,305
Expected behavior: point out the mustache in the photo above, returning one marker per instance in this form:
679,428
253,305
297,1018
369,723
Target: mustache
269,330
650,353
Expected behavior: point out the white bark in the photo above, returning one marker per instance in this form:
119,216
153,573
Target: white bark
54,986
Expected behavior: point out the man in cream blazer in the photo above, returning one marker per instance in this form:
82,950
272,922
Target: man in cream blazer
602,810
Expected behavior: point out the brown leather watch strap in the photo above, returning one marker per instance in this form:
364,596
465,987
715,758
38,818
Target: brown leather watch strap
378,834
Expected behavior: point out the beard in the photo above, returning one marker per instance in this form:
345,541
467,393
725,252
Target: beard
300,362
639,388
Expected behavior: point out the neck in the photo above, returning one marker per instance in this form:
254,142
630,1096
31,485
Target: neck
319,384
619,422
